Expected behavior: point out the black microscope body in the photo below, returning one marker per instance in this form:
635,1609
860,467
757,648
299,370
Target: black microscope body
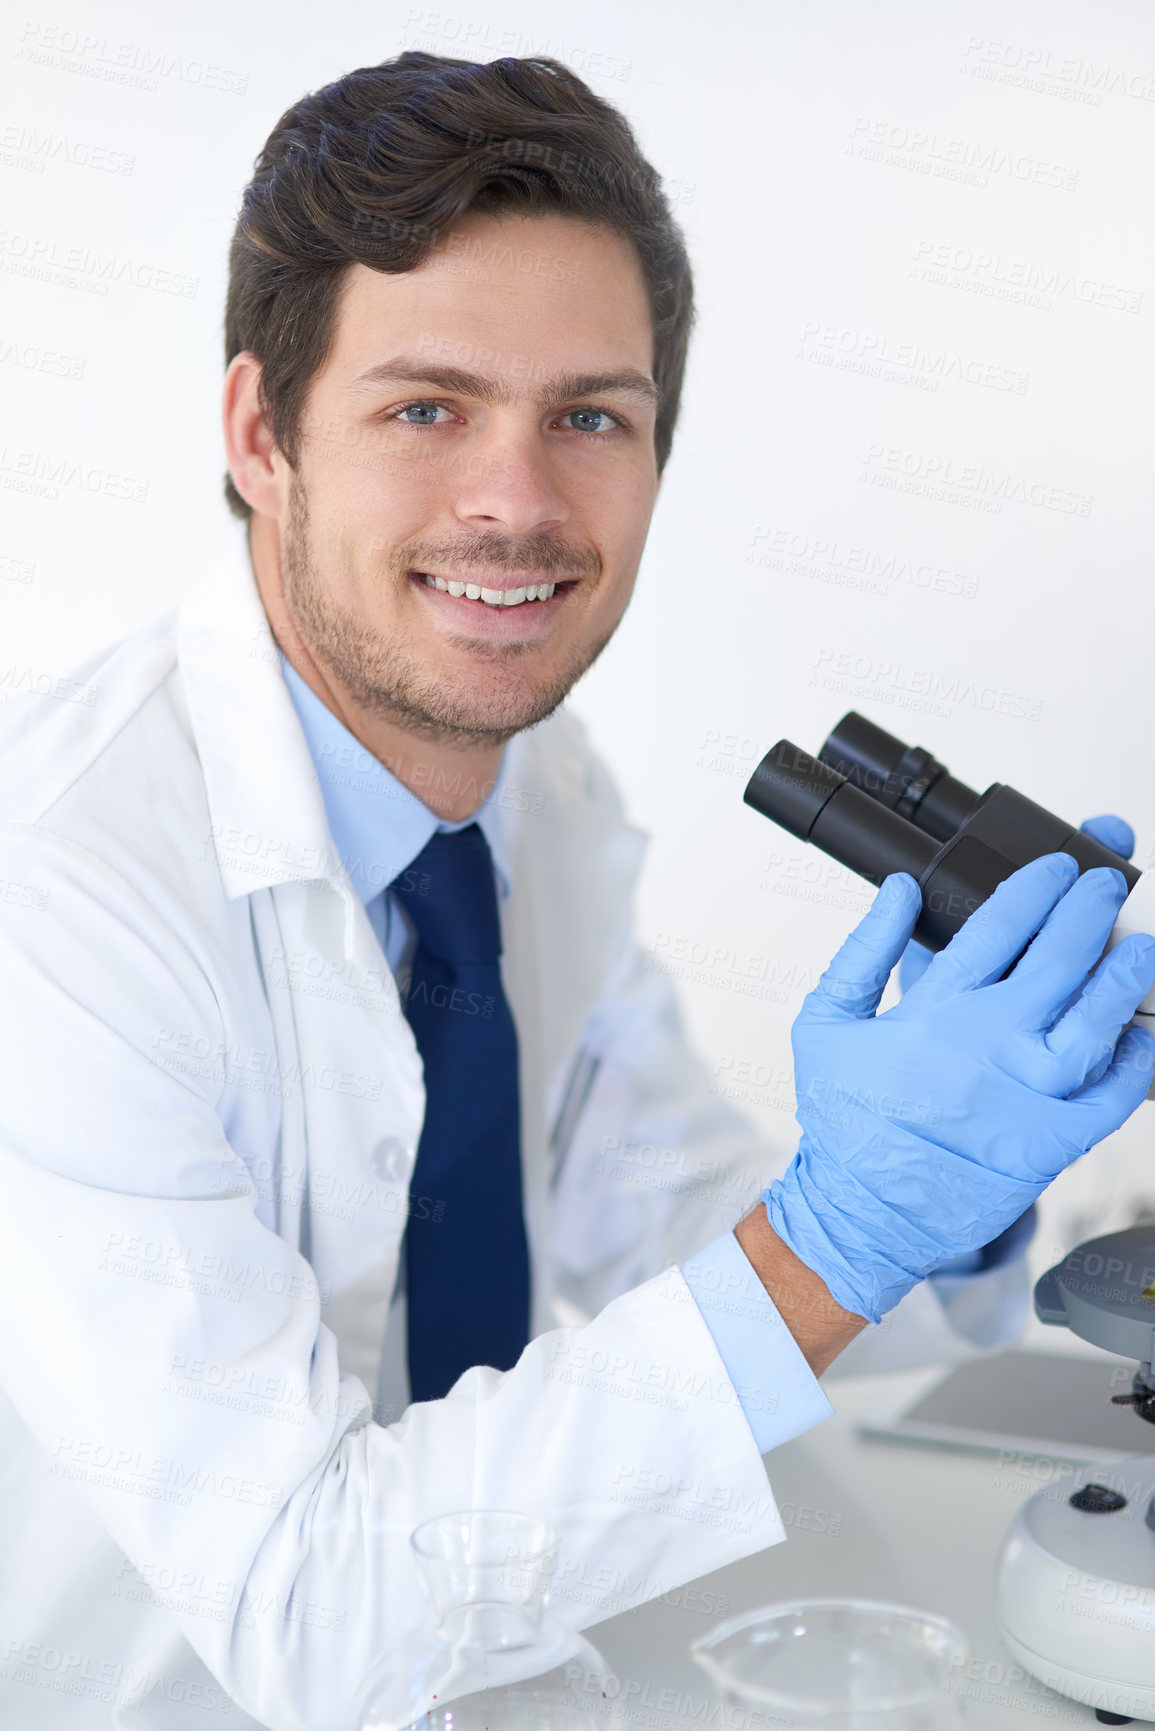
878,806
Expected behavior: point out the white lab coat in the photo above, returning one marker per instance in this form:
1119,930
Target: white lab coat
209,1106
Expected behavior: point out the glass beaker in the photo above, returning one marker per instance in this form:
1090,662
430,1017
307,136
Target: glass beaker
497,1661
838,1665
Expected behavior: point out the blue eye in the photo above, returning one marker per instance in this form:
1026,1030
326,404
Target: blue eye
591,423
590,415
427,410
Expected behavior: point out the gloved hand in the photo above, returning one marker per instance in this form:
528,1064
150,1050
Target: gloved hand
1114,832
929,1129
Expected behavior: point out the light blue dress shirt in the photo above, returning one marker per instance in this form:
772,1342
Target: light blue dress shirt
378,828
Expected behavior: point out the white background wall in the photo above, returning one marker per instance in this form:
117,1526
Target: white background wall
913,470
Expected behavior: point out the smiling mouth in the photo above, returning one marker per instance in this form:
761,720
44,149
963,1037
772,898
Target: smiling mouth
509,596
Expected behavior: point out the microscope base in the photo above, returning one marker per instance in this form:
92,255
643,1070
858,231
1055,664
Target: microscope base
1075,1591
1089,1691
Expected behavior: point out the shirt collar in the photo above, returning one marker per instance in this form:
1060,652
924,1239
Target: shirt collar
378,826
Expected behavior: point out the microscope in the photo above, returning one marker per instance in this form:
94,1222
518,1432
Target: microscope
1075,1579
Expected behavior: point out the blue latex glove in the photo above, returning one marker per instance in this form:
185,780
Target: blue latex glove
1114,832
929,1129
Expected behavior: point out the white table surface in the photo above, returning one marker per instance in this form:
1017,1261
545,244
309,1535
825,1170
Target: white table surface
882,1520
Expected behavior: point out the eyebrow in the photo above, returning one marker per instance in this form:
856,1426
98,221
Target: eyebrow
560,389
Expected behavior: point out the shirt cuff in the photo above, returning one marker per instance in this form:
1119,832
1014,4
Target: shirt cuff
773,1384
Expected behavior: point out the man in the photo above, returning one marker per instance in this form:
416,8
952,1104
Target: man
327,1013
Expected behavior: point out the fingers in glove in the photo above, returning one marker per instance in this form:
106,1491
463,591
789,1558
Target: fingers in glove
1071,941
1099,1110
855,980
984,948
1084,1038
915,961
1114,832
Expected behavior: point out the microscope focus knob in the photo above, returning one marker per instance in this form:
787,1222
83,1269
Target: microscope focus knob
1098,1500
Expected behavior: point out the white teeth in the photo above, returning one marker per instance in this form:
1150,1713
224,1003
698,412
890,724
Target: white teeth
492,597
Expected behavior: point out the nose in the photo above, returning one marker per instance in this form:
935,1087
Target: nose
512,483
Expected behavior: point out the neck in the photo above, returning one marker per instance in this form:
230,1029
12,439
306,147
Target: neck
450,779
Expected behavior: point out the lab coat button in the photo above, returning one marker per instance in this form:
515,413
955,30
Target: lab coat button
392,1158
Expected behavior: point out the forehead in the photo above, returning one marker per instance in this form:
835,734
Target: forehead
511,295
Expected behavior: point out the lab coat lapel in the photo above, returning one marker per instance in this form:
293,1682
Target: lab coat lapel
356,1114
352,1096
574,862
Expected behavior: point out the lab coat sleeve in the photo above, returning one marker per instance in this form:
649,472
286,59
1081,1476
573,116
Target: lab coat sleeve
652,1162
772,1381
130,1247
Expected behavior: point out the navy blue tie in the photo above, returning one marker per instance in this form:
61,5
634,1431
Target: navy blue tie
467,1260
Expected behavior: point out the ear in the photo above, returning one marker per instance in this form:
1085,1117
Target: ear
249,444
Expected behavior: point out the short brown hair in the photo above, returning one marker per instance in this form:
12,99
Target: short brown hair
373,169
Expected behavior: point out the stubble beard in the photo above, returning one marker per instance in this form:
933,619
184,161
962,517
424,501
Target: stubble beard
486,707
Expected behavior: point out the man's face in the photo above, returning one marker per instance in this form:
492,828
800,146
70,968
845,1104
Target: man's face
486,419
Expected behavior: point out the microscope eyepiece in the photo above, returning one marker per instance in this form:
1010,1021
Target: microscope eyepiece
904,777
790,787
817,804
878,806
